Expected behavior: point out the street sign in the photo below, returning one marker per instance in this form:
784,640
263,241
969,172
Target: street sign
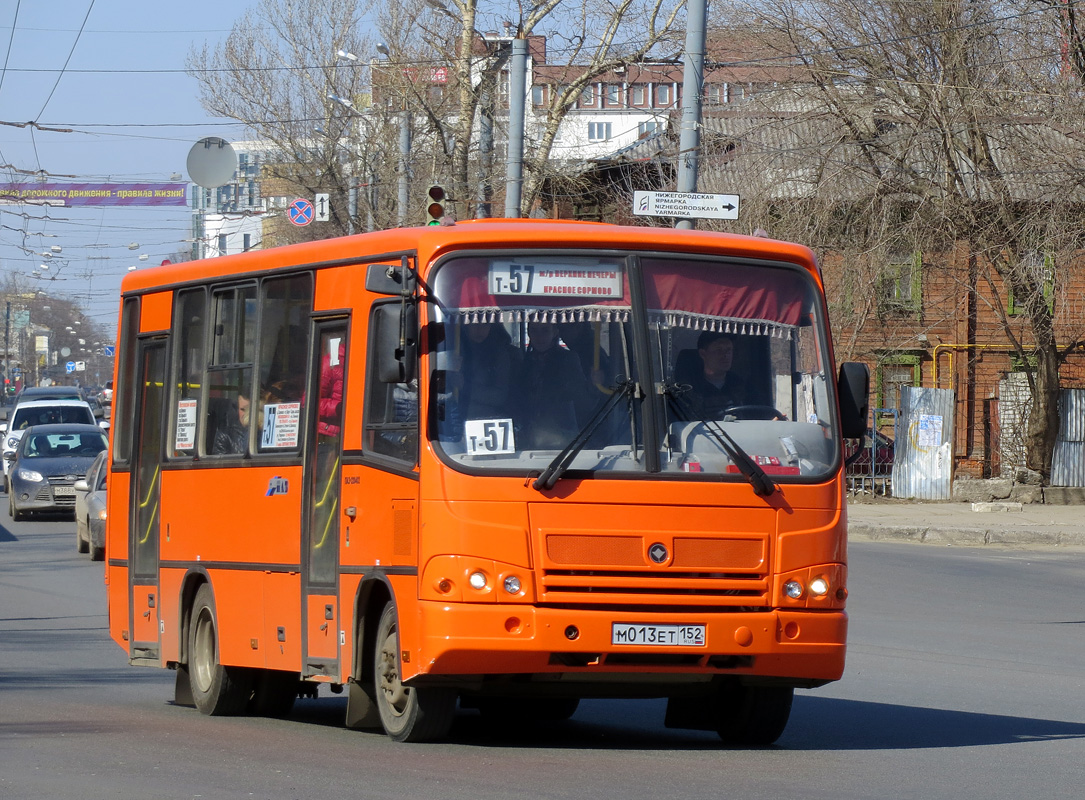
69,367
300,212
685,205
323,207
108,351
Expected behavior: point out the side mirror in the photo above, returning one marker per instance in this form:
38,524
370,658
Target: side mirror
81,485
104,424
396,342
853,392
9,455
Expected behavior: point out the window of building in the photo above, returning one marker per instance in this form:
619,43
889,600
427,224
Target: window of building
892,373
663,94
222,244
639,94
598,131
647,128
614,95
1037,269
900,287
716,94
538,95
587,96
246,242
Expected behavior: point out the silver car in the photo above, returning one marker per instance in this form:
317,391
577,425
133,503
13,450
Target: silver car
47,463
90,509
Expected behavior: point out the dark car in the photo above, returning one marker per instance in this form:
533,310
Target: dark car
46,465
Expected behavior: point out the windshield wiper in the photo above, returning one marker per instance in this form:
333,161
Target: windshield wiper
561,462
762,484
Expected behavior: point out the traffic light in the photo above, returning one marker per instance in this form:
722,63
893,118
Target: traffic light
435,205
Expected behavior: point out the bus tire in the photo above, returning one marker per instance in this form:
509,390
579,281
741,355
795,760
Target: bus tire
408,714
216,690
753,716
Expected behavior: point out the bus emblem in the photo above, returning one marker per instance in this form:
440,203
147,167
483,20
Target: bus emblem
277,485
658,553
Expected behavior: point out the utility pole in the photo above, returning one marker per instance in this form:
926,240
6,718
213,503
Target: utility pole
514,181
7,351
689,137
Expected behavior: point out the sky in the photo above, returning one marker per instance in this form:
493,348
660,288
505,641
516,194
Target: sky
115,77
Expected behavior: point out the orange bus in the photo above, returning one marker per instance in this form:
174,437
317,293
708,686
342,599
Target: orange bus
494,466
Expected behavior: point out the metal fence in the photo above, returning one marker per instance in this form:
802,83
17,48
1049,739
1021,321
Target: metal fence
923,457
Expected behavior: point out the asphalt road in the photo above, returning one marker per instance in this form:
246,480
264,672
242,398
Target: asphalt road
964,680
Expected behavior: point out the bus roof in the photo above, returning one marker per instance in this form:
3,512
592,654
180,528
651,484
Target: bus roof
432,241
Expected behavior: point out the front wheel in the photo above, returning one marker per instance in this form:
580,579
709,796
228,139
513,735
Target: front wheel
81,545
408,714
216,690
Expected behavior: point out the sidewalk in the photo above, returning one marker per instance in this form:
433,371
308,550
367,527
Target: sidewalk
968,524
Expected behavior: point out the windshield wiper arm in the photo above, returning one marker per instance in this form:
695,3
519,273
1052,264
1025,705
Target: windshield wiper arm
762,484
561,462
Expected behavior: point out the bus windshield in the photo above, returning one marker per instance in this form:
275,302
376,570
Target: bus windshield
537,356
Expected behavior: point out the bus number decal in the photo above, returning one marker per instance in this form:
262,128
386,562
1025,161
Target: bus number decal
486,437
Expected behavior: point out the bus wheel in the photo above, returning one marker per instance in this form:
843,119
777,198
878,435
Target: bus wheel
216,690
753,716
408,714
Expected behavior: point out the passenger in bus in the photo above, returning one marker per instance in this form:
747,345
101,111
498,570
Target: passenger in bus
554,391
713,386
481,388
232,437
331,393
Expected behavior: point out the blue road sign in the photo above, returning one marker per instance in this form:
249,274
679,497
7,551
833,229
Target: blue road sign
300,212
108,351
69,367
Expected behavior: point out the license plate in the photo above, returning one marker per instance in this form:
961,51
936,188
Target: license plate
657,635
64,491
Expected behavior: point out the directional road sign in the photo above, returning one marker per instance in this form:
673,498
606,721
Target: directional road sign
108,351
685,205
300,212
69,367
323,207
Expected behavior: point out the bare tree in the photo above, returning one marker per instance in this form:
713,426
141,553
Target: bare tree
279,73
917,126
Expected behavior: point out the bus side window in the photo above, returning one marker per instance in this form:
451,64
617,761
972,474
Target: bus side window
391,409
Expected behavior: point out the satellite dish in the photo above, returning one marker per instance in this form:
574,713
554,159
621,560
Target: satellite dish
211,162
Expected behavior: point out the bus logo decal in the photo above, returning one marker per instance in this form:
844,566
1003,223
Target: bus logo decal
658,553
277,485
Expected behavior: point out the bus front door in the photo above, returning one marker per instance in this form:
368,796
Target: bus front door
320,553
143,516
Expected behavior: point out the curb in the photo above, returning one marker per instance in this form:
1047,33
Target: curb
965,537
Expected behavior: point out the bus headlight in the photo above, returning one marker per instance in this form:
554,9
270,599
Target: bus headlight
477,580
513,585
819,587
793,589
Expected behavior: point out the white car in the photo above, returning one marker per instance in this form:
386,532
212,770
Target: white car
42,412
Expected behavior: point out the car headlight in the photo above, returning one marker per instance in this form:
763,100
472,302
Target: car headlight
29,475
13,442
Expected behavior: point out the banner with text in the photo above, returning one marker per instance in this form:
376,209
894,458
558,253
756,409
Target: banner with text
96,194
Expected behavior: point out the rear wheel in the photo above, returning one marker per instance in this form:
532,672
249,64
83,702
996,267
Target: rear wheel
408,714
216,690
